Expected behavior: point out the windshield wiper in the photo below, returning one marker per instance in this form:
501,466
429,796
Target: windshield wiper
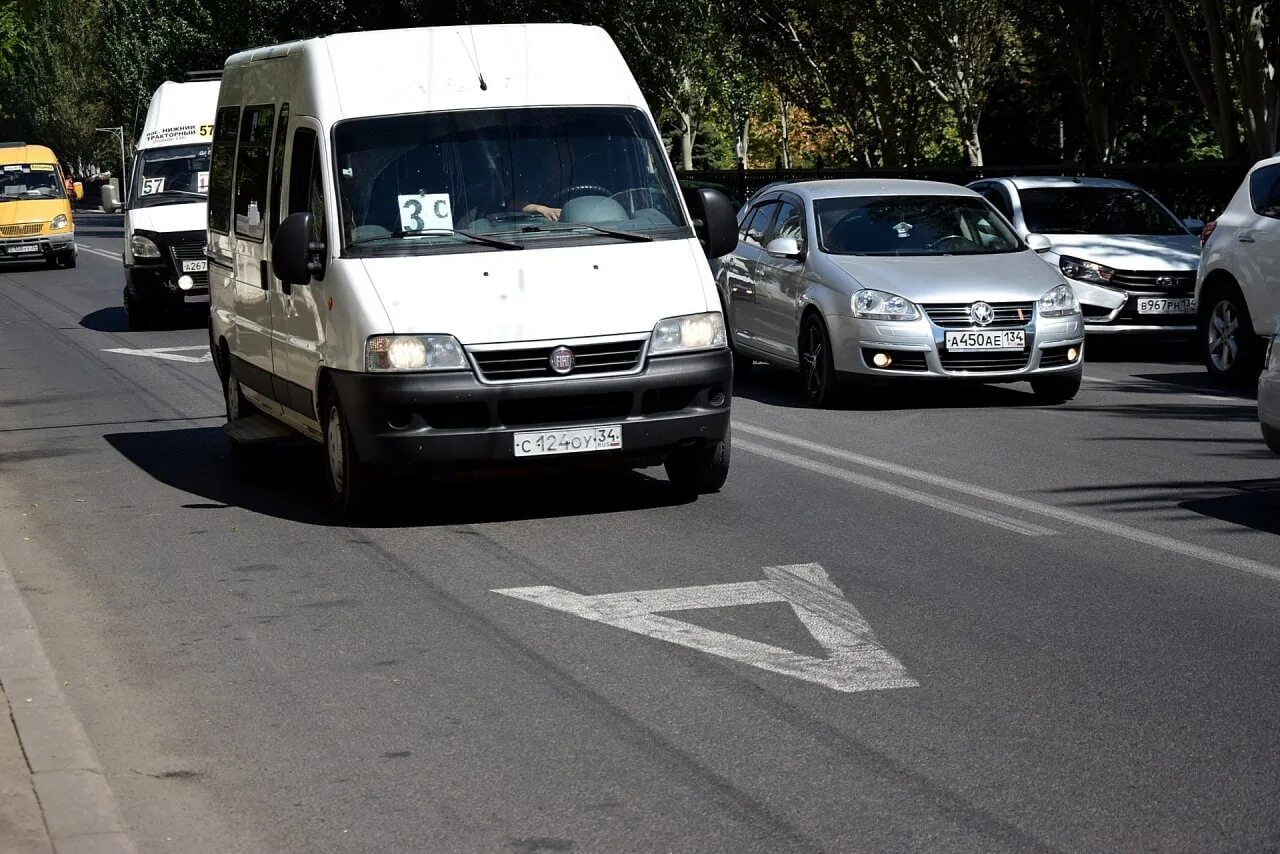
613,232
478,238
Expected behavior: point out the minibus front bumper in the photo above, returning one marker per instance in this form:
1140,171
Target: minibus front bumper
452,420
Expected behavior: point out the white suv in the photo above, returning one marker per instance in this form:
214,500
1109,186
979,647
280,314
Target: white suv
1238,283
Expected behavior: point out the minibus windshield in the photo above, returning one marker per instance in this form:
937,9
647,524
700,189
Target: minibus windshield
30,181
421,183
171,175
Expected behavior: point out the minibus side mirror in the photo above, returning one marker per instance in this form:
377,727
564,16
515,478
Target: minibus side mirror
110,199
714,221
295,257
79,188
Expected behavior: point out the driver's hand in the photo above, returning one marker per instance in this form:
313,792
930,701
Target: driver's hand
552,214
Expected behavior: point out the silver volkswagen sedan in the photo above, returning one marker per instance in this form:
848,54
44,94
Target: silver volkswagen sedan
858,280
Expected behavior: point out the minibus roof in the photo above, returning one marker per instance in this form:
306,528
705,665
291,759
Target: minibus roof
392,72
180,114
20,152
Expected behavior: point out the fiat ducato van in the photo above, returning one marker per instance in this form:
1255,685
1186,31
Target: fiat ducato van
462,248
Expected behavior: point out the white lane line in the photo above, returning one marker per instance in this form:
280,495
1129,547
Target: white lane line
114,256
1174,389
855,660
1115,529
1008,523
171,354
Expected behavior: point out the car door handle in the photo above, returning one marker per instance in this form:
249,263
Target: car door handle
1246,238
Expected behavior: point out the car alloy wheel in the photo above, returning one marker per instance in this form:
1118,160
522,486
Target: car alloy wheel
1224,338
816,363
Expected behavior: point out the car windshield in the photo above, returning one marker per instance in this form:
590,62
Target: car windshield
416,183
912,225
30,181
1095,210
171,175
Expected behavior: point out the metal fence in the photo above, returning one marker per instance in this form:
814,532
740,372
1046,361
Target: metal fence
1198,189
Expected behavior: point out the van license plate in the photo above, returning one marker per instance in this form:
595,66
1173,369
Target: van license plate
195,266
986,339
22,249
576,441
1163,305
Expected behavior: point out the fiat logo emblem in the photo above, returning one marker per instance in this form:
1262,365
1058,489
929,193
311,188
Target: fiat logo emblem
561,360
1164,281
982,313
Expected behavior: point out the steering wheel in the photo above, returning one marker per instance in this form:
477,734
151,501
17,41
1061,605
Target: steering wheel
937,244
631,208
580,189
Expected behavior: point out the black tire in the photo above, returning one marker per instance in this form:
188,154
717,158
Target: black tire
53,262
238,406
351,485
69,260
742,363
1056,388
1230,349
701,470
1271,436
817,367
142,316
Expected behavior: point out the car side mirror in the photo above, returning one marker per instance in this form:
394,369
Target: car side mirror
714,221
1193,225
295,258
1038,243
79,189
785,247
110,199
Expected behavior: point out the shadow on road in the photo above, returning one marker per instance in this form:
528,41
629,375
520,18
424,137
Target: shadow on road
1251,504
286,481
114,319
1169,349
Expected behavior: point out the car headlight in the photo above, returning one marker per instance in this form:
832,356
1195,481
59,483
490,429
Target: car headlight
143,247
691,332
59,222
1059,302
1085,271
878,305
414,353
1273,354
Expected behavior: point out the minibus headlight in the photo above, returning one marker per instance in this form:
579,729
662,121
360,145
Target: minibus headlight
414,353
691,332
144,247
59,222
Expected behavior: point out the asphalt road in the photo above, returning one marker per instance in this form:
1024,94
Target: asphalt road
1082,603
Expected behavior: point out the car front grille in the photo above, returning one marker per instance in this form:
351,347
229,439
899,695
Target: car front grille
981,363
533,363
1174,282
26,229
956,315
191,252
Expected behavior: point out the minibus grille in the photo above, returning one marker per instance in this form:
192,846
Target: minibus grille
534,363
191,252
26,229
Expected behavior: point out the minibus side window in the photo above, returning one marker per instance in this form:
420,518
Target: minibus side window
224,153
277,167
253,161
306,182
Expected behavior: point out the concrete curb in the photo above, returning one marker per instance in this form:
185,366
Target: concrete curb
78,808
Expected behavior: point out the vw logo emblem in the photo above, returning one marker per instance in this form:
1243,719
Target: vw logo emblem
561,360
982,313
1164,281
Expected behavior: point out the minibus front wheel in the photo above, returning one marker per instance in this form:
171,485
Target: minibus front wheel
700,470
350,483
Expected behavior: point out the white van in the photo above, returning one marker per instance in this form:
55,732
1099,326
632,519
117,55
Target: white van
165,267
459,247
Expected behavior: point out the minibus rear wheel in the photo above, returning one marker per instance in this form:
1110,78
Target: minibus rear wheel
350,483
701,470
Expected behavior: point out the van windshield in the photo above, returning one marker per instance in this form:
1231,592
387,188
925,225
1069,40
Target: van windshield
30,181
172,175
422,183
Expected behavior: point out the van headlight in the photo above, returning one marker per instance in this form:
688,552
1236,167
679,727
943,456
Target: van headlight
59,222
1058,302
1273,354
414,353
1085,271
143,247
878,305
692,332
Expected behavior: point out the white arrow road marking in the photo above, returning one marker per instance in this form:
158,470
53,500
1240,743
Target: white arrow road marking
172,354
856,661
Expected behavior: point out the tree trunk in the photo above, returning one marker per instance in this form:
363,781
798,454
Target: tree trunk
686,141
782,120
972,141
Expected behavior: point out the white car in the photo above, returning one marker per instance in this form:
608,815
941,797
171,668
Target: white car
1130,260
1269,396
1238,286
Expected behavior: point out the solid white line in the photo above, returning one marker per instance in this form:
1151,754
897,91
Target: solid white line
1008,523
114,256
1159,541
